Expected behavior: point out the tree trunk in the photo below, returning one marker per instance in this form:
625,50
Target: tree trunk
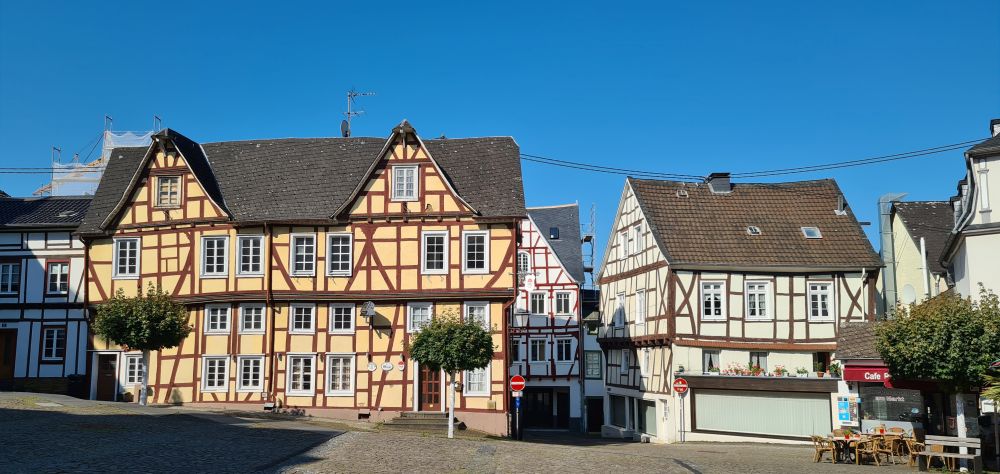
960,423
145,378
451,406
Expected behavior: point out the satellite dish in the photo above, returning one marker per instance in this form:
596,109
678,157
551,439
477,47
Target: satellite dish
909,295
345,128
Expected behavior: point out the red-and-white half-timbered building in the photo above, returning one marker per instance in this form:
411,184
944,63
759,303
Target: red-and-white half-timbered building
741,290
307,265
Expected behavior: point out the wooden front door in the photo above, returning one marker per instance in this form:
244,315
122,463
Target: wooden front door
8,353
107,376
430,390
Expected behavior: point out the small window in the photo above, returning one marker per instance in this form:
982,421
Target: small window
133,370
646,363
523,264
476,252
563,302
537,350
638,244
753,230
758,300
640,307
303,255
168,191
300,374
553,233
477,382
564,350
404,183
419,317
515,349
251,255
303,319
341,319
623,366
58,278
214,256
538,303
341,255
251,373
759,359
592,364
618,319
54,343
710,361
478,312
215,374
10,278
713,300
340,374
623,245
216,319
812,233
252,319
821,301
435,253
126,258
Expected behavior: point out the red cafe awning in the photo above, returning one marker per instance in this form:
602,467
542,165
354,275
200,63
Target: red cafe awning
866,373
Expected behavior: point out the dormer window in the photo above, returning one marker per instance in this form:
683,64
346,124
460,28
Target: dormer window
812,233
553,233
404,183
753,230
168,191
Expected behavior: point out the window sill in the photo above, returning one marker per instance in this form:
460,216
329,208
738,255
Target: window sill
302,275
251,332
218,276
249,275
165,207
125,277
343,393
466,271
471,395
433,272
300,393
250,390
215,390
341,332
713,320
759,319
217,333
820,320
339,274
303,332
404,199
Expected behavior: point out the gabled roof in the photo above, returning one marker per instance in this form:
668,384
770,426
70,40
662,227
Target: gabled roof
309,179
986,147
50,211
567,246
701,229
932,220
857,341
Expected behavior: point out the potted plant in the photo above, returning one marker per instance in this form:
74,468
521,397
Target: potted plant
801,371
713,371
680,369
819,369
754,370
779,371
835,369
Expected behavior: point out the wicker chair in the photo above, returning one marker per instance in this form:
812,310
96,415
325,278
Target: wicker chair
838,433
914,447
948,463
822,446
885,445
867,447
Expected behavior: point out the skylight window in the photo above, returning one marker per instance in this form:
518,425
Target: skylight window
812,233
753,230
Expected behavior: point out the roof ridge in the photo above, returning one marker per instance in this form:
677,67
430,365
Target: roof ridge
555,206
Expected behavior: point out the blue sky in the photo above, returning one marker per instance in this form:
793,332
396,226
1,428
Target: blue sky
686,87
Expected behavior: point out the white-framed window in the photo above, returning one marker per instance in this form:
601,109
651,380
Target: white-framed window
592,364
405,185
418,316
216,319
251,248
640,307
215,374
759,359
758,300
341,318
646,362
54,343
476,252
58,278
10,278
623,243
564,350
477,382
984,187
133,369
340,374
523,263
434,252
812,233
126,258
252,318
301,373
638,244
820,301
625,363
303,254
713,300
478,311
515,349
710,361
537,302
168,191
303,319
538,350
618,319
563,302
340,255
251,373
214,257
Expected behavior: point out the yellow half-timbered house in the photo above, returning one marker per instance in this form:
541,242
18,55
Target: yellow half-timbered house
307,265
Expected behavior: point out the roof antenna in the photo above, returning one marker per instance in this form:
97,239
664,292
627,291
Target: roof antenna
108,122
345,125
157,123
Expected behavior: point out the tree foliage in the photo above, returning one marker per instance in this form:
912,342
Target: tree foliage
948,339
147,322
451,344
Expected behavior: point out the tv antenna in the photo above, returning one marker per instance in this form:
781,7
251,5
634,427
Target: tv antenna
345,126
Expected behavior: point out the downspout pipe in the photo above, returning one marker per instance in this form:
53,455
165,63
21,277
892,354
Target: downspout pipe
887,250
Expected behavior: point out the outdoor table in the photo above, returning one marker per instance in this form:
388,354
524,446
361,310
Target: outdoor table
845,451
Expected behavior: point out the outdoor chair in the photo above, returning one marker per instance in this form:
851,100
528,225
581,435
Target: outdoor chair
913,447
948,463
885,446
822,446
866,447
838,433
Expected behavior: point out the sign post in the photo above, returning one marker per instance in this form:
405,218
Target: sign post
681,388
517,384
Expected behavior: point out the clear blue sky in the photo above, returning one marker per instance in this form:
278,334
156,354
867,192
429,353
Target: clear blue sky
687,87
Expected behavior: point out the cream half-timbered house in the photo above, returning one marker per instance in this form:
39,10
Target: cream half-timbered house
545,338
43,325
728,286
307,265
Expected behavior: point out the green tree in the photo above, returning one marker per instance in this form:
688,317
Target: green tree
946,339
451,344
149,322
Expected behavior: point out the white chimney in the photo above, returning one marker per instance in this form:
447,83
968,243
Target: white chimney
995,127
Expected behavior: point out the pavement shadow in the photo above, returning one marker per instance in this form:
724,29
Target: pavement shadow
570,438
38,440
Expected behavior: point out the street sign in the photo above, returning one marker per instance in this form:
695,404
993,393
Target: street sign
517,403
401,365
680,386
518,394
517,383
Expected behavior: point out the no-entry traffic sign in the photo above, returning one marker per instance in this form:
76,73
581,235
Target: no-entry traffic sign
680,386
517,383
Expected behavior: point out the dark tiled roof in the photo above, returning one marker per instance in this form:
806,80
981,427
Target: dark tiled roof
311,178
986,147
567,246
932,220
857,341
708,229
52,211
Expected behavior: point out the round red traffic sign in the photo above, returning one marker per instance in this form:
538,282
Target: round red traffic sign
680,386
517,383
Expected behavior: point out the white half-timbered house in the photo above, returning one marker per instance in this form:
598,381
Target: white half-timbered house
43,325
729,286
545,326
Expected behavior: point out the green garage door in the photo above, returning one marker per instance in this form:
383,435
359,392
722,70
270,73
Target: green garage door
766,413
